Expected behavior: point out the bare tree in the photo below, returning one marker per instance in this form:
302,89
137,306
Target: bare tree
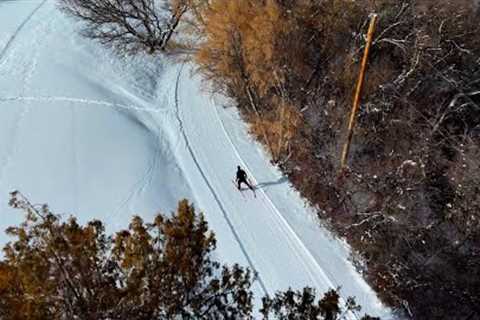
128,25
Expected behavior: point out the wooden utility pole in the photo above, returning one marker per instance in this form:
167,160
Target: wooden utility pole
358,92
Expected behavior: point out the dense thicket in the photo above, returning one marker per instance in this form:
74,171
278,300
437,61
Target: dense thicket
159,270
410,201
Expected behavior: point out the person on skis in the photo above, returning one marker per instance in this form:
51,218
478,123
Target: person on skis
242,178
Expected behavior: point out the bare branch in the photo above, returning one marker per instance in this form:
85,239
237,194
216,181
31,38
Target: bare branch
128,25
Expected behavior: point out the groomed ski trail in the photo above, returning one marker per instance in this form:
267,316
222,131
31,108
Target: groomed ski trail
207,182
271,245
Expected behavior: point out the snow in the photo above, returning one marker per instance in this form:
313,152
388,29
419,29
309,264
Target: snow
106,137
67,136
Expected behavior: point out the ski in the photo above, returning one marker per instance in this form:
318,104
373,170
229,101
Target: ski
241,190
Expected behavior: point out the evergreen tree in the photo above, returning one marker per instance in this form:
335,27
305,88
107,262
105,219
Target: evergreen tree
159,270
163,270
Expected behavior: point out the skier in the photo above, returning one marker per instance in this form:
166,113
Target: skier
242,178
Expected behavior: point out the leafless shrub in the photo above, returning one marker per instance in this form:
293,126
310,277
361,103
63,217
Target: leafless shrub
410,192
128,25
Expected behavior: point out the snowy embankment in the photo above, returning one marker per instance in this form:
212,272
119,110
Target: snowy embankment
104,137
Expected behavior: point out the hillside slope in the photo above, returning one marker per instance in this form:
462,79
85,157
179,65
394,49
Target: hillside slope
104,137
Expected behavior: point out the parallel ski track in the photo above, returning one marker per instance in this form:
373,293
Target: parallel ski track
212,190
274,209
293,235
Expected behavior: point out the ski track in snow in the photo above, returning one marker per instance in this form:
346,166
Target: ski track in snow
270,204
297,256
146,179
138,187
212,190
143,182
271,217
85,102
293,240
75,161
28,71
18,30
11,57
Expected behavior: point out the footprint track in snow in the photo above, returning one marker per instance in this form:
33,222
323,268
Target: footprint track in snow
82,101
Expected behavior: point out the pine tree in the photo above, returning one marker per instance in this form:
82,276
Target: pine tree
57,270
158,270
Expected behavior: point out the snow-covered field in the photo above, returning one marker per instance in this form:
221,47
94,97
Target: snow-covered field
107,137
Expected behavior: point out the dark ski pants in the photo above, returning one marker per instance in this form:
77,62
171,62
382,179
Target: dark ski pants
240,181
